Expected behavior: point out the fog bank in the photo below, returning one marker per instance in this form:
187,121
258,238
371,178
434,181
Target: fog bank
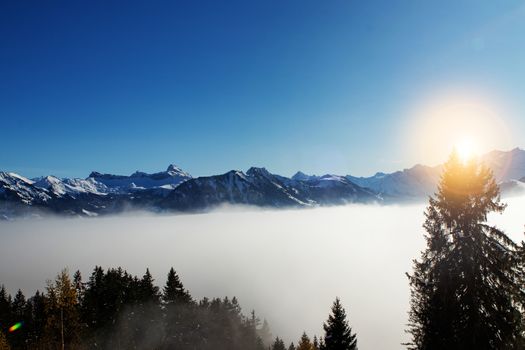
287,265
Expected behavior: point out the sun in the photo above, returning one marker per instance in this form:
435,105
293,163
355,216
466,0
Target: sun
468,122
466,149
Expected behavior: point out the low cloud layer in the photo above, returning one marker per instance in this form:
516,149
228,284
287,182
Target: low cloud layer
287,265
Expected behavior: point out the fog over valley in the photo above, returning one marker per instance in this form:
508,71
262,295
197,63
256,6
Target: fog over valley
288,265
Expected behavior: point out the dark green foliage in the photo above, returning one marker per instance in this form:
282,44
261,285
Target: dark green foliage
148,292
79,286
18,313
278,344
180,319
338,335
6,316
466,291
35,319
174,292
115,310
19,304
322,345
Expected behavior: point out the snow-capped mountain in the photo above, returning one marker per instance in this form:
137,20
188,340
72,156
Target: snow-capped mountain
169,179
16,188
421,181
300,176
72,187
176,190
97,194
409,184
261,188
506,165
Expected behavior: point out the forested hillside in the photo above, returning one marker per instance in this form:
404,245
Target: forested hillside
115,310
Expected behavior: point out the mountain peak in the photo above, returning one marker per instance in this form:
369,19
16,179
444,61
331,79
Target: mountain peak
174,170
257,171
300,176
174,167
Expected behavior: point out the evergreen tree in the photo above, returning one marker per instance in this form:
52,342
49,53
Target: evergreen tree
322,345
292,346
174,291
338,335
18,314
118,311
94,301
79,286
254,321
5,307
304,343
148,291
315,343
19,304
465,290
180,320
36,308
278,344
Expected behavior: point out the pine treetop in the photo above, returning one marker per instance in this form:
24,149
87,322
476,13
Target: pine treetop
338,334
174,291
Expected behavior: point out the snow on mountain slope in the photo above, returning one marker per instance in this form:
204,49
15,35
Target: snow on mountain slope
278,189
70,186
16,188
175,189
300,176
259,187
421,181
200,193
506,165
416,182
172,177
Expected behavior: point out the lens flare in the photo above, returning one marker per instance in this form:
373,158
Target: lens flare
15,327
471,122
466,149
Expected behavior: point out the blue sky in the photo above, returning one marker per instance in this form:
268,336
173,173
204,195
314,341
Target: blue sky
318,86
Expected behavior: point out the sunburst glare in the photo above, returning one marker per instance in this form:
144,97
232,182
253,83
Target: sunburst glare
466,149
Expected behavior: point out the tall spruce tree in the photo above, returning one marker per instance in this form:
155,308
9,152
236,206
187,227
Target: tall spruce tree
278,344
6,316
338,335
19,314
19,304
174,291
465,290
37,308
148,291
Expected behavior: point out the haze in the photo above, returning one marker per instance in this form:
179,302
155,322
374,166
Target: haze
287,265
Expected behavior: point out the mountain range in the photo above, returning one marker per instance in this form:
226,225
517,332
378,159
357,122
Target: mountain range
176,190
